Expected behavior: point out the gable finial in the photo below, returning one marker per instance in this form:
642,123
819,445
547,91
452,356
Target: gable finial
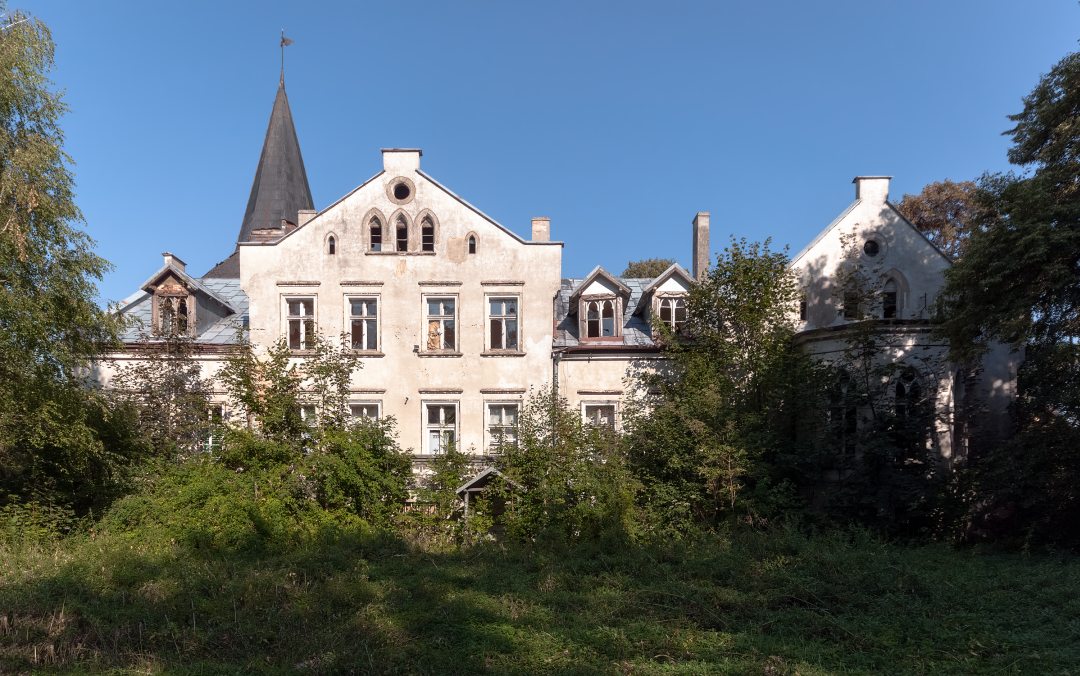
285,42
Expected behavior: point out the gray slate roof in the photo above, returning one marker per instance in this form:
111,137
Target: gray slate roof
222,332
636,330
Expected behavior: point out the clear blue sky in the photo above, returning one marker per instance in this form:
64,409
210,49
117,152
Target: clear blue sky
617,120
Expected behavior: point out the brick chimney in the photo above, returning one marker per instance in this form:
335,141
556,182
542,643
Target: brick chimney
173,260
701,244
541,229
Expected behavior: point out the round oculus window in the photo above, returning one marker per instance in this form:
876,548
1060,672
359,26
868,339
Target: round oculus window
401,191
871,248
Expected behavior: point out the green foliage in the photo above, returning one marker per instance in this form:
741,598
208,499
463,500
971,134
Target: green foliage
272,386
165,386
52,431
708,432
1019,283
565,480
437,519
647,267
344,601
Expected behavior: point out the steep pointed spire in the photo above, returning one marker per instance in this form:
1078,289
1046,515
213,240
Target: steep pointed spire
281,187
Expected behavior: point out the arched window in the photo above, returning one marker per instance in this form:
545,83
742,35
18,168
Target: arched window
673,313
600,318
402,234
472,244
851,304
889,305
803,306
375,233
908,393
427,235
331,245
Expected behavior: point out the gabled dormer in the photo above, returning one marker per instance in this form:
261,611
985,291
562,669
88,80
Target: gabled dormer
599,301
665,298
180,304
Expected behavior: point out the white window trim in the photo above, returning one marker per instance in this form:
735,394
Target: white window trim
284,305
583,316
424,438
489,439
208,444
616,423
347,321
424,323
377,403
488,297
660,298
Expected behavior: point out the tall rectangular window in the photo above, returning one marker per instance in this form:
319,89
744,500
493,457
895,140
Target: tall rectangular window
600,318
364,323
215,428
673,313
441,315
441,427
503,323
502,424
301,323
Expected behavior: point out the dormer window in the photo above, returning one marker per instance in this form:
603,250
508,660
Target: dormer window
173,310
600,318
672,312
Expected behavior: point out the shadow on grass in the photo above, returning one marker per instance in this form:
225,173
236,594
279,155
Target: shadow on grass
351,603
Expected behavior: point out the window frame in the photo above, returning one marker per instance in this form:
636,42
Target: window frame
489,438
658,306
287,319
489,298
426,427
426,318
617,317
375,221
350,317
586,404
215,428
377,403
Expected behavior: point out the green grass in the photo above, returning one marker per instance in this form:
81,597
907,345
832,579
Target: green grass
771,603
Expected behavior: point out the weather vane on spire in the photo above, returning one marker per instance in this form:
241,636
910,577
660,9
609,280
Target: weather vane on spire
285,42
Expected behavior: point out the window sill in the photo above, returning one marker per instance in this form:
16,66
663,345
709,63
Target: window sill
601,339
441,353
368,353
502,353
301,352
399,253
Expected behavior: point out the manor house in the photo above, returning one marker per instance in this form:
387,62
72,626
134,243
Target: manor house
454,317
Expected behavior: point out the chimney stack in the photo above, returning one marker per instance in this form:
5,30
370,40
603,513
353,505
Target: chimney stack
541,229
304,215
173,260
701,245
872,189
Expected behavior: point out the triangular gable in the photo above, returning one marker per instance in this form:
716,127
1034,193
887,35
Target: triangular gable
188,281
844,214
482,479
674,271
597,273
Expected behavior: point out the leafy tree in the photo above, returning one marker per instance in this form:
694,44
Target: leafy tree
944,211
647,267
1019,283
166,387
52,431
708,433
567,480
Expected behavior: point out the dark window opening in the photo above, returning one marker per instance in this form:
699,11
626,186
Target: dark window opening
376,235
472,244
851,305
401,191
889,305
871,248
330,246
427,236
802,308
402,236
